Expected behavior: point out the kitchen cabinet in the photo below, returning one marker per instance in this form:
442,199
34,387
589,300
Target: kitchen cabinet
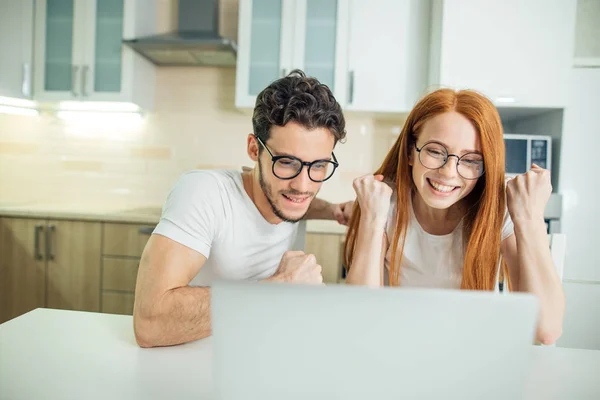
277,36
581,326
517,52
72,252
327,248
16,47
387,55
369,54
79,53
22,267
47,263
117,303
122,249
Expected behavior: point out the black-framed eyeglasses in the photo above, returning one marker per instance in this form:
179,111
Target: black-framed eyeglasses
434,155
289,167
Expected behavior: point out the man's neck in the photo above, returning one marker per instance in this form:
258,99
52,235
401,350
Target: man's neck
252,187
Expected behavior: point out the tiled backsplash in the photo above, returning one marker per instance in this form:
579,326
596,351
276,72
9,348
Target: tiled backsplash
194,125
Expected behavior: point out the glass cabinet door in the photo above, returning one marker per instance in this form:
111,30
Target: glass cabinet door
320,40
108,36
59,69
265,44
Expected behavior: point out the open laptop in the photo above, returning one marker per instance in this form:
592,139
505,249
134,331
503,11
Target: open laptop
285,341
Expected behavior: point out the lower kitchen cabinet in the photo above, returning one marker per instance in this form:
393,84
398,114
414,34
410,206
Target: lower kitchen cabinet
92,266
122,249
117,303
328,251
22,267
73,269
48,263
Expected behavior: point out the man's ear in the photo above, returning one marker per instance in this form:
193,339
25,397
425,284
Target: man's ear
252,147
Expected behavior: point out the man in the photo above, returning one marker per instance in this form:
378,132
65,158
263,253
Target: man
241,224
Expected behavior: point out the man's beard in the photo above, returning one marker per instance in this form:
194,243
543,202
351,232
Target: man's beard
266,188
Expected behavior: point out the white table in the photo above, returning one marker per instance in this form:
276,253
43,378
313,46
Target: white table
55,354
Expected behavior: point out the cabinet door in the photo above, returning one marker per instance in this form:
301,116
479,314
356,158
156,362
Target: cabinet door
581,325
326,248
22,266
387,61
265,39
58,49
320,35
73,250
16,40
102,65
517,52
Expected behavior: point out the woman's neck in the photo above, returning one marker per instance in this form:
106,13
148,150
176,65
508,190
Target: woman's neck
437,221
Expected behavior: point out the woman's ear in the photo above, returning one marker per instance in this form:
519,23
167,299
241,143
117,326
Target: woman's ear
410,154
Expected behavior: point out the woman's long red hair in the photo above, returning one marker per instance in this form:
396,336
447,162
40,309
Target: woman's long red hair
486,203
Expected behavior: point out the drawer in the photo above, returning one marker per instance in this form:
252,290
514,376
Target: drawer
117,303
125,239
119,273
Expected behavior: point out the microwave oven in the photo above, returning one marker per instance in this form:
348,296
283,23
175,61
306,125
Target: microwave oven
524,150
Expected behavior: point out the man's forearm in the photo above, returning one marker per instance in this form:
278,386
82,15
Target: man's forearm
319,209
182,315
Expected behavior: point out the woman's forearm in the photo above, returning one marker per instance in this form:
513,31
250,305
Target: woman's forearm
537,275
369,254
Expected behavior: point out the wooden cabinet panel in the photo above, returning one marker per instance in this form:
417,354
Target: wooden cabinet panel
117,303
326,248
22,274
119,274
73,252
125,239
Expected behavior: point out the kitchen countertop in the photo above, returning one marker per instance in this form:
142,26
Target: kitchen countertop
86,212
149,215
57,354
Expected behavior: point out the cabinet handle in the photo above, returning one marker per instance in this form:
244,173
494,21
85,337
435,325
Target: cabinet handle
74,70
26,85
350,87
283,72
84,73
36,242
146,230
49,232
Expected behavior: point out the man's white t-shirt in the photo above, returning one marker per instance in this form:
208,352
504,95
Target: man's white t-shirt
433,261
209,211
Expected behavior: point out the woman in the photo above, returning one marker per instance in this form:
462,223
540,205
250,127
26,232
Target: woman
439,213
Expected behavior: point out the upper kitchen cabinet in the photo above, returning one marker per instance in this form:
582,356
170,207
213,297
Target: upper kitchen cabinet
517,52
277,36
373,55
16,47
80,55
387,55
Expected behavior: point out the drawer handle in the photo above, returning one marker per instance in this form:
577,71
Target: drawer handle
49,232
36,242
146,230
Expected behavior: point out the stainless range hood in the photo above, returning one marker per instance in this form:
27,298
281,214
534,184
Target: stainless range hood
196,42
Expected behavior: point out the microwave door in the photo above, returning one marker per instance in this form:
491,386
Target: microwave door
518,155
528,155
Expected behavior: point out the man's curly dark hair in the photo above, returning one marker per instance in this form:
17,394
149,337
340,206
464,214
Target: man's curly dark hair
301,99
